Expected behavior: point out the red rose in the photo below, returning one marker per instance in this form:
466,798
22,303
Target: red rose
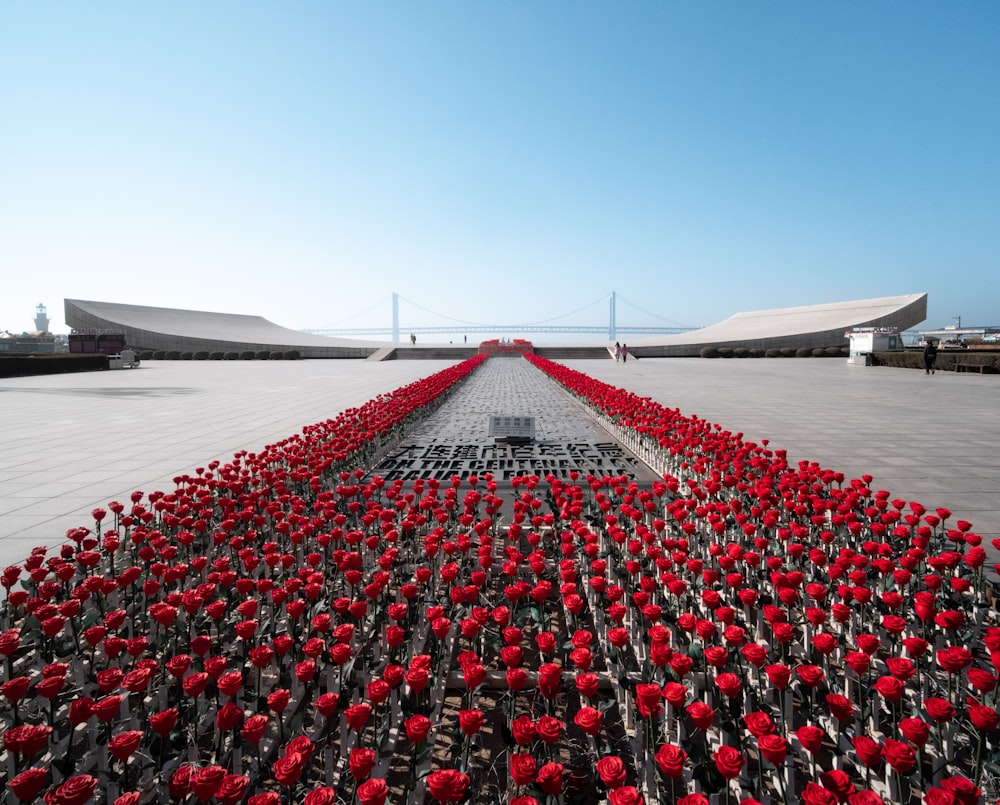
302,746
899,755
550,778
779,675
589,720
716,656
417,678
358,715
890,688
916,647
985,719
277,701
522,768
858,662
373,791
27,739
729,684
288,768
865,798
869,752
321,796
773,747
73,791
755,654
812,675
80,711
675,693
950,619
671,759
814,794
939,796
523,729
470,721
546,642
841,708
10,641
701,714
123,745
15,688
361,762
51,687
954,659
206,781
511,656
194,685
964,790
417,728
981,679
586,684
447,785
759,723
517,678
681,664
327,704
233,787
940,710
900,667
825,643
254,728
549,729
611,770
28,783
915,730
626,795
647,699
474,674
810,737
180,781
549,678
839,782
106,709
728,761
228,717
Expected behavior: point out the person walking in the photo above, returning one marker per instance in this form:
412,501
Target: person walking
930,357
618,352
624,353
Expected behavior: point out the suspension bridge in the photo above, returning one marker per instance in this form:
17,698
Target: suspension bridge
653,324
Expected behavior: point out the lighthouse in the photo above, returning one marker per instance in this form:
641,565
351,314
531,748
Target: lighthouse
41,319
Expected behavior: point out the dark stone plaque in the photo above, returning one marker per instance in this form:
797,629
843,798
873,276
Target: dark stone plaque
512,428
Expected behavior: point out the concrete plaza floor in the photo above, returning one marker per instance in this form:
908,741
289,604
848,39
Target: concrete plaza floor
71,443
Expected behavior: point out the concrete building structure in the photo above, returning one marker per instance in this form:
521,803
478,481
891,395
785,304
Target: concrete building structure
809,326
158,328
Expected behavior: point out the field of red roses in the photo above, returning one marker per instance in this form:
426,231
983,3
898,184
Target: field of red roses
286,627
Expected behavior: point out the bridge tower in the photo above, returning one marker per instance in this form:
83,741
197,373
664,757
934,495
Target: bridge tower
395,317
612,326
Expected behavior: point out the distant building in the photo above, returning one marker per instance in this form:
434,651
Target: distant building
26,343
960,335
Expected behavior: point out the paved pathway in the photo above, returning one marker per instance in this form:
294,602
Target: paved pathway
455,440
73,442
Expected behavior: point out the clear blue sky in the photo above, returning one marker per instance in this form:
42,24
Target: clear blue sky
498,161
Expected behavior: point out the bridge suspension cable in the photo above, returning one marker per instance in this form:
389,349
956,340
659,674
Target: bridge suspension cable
526,324
656,316
548,325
